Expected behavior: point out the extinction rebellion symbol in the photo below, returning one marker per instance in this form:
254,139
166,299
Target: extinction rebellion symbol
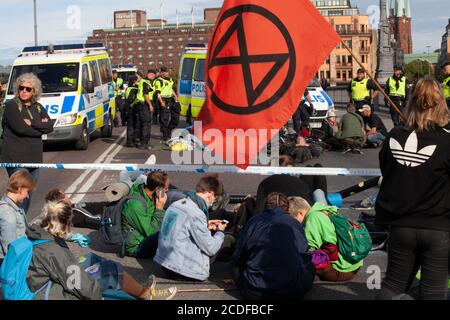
245,60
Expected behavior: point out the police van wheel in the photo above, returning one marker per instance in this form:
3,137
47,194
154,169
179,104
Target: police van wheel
189,116
83,142
107,130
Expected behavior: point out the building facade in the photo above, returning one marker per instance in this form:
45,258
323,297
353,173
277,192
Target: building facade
445,46
356,33
152,43
400,25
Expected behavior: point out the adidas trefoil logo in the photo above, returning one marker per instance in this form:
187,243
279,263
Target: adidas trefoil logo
409,156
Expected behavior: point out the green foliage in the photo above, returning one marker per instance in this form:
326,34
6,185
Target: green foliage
418,69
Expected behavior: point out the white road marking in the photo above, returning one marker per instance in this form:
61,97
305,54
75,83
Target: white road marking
73,187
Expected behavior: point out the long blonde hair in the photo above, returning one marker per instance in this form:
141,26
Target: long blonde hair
57,218
427,107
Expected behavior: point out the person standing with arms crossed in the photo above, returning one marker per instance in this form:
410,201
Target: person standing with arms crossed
396,90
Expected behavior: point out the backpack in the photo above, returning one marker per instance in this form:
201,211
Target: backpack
13,272
353,240
111,222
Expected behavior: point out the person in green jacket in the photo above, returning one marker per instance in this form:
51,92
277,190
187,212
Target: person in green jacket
140,225
321,234
351,130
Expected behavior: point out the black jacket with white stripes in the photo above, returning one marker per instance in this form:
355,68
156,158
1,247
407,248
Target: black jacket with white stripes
415,191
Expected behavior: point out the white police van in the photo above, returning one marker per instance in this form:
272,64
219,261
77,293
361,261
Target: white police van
321,101
78,91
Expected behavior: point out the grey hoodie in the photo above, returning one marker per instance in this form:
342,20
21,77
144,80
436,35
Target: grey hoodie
54,261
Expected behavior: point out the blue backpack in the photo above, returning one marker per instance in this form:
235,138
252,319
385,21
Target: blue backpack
13,272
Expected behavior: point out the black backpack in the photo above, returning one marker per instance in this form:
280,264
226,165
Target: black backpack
111,223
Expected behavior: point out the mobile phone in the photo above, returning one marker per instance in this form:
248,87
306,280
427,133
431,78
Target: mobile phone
224,222
159,192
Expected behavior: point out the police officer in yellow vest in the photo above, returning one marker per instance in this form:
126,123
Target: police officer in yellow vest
170,107
157,100
131,101
360,90
396,90
120,104
446,82
71,79
144,109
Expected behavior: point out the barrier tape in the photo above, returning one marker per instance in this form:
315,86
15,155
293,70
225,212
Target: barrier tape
307,171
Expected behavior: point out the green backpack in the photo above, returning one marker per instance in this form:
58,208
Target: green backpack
353,240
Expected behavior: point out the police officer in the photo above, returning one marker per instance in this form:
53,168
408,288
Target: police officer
131,102
360,89
120,105
157,84
144,107
446,83
70,80
170,107
396,89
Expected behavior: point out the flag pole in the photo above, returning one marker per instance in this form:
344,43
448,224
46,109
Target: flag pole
390,102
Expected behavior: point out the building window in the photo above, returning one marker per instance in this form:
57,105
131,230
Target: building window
170,39
120,42
160,55
180,39
160,40
140,41
160,48
350,74
338,74
150,55
130,41
363,58
140,49
344,75
190,38
150,40
170,47
344,60
328,75
170,54
130,49
338,59
350,60
201,38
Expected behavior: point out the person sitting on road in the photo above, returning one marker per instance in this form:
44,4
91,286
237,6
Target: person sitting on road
13,221
289,185
271,259
321,234
330,128
140,224
377,130
185,244
52,260
351,130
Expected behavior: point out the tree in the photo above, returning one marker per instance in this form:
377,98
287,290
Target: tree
417,69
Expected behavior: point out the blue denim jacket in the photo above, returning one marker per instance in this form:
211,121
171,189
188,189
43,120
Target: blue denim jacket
13,223
185,243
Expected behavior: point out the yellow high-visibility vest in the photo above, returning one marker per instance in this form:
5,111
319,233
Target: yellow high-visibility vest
446,87
359,90
140,95
167,88
401,91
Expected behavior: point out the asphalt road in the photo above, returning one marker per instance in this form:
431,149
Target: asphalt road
86,186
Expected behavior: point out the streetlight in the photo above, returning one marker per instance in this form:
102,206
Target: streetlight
428,59
35,24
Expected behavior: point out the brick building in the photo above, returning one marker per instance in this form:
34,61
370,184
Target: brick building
400,25
445,46
144,43
354,30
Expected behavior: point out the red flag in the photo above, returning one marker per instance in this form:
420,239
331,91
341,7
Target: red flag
261,57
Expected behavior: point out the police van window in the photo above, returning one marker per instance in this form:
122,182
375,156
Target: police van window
314,83
188,69
84,78
55,78
200,70
105,70
95,74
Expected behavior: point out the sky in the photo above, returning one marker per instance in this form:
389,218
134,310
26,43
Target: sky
72,21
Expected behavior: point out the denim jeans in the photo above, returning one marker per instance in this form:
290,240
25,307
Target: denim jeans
410,249
25,205
377,138
107,273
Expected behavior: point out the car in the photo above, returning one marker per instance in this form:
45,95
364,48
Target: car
78,90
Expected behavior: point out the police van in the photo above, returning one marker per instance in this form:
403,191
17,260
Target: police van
125,72
192,88
191,85
77,86
321,101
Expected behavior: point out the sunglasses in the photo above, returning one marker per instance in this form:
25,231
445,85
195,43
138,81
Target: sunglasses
28,89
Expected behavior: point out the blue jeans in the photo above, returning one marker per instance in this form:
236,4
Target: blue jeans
377,138
25,205
107,273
